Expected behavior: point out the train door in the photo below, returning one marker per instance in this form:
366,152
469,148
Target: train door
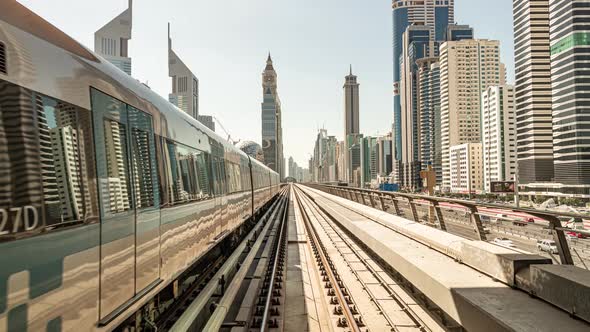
146,197
129,201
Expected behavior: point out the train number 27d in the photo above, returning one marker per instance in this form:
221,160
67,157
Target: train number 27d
23,218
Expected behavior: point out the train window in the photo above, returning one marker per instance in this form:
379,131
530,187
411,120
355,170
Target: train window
45,170
204,173
189,173
143,158
116,186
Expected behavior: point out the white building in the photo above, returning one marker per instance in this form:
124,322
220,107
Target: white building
498,134
467,68
466,165
111,41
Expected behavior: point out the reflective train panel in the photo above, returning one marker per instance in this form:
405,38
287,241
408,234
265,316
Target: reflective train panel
108,192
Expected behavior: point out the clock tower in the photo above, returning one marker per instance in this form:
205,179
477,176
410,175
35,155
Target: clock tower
269,77
272,131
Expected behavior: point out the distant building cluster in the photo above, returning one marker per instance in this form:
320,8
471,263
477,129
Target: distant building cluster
298,173
358,160
362,161
454,111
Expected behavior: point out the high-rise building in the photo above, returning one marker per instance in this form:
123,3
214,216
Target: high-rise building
207,120
325,157
533,90
112,40
416,45
185,85
456,32
272,131
369,160
570,49
421,139
429,107
292,168
466,175
498,134
384,151
351,123
351,104
341,161
467,68
353,144
436,15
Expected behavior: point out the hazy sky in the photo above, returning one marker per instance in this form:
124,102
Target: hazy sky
312,42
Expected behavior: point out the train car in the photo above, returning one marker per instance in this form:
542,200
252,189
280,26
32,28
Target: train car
108,193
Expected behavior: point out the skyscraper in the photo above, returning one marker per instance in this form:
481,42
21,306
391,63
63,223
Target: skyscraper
111,41
384,155
467,68
456,32
430,117
272,131
416,45
436,15
185,85
570,49
351,104
498,134
533,90
292,168
207,120
351,124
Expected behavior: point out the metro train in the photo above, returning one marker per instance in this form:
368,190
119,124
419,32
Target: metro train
108,193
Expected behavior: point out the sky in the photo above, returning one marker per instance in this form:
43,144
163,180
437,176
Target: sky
312,44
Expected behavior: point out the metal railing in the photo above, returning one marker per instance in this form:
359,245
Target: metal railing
379,199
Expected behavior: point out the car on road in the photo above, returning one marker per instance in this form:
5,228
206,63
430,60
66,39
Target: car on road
576,224
506,242
547,246
499,217
576,235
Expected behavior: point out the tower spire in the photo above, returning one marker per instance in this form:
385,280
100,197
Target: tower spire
351,69
169,39
269,63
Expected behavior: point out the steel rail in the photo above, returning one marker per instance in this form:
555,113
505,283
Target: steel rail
312,233
199,304
217,317
394,295
267,304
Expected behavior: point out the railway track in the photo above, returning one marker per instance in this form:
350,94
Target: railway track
245,294
364,297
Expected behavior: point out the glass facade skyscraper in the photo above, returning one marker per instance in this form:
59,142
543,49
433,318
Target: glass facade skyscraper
436,15
570,48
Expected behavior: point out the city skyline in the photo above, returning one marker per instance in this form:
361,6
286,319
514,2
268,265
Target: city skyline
311,73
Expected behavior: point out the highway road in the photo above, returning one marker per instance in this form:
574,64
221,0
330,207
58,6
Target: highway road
523,237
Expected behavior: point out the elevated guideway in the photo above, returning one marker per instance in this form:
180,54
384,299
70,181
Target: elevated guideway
478,285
